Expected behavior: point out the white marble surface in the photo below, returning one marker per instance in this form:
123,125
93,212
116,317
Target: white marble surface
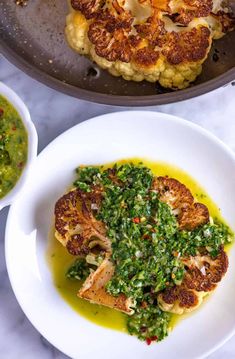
53,113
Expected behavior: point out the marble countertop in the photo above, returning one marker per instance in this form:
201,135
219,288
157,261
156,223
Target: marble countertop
52,114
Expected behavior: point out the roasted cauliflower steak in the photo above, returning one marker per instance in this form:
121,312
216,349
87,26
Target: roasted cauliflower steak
154,40
94,291
189,214
202,272
78,230
76,227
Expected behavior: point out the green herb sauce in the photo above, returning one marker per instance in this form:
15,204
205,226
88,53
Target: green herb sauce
13,146
145,240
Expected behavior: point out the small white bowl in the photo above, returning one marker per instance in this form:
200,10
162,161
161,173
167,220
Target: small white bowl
19,105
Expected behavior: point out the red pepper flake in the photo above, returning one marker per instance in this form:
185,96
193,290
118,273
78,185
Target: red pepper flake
13,128
136,220
20,165
144,304
1,112
151,339
146,236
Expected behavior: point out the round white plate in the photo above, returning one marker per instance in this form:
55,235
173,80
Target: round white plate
103,139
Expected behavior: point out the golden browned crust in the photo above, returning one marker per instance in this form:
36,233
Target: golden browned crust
186,298
146,56
203,273
188,46
94,290
118,36
189,215
87,7
76,227
108,37
172,192
193,216
152,30
80,232
227,20
193,9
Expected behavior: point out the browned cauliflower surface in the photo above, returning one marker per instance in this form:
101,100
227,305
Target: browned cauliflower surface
93,289
76,227
189,214
202,275
79,231
165,41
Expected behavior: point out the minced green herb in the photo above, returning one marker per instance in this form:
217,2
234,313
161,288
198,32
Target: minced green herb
79,270
150,322
146,241
13,146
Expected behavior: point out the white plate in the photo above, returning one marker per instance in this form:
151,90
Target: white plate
107,138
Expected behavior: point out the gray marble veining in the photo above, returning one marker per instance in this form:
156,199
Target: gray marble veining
52,114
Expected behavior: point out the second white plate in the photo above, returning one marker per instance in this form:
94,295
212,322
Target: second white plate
103,139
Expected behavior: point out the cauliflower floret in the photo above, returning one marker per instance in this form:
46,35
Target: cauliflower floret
189,214
167,42
203,273
179,76
180,300
76,227
215,27
76,33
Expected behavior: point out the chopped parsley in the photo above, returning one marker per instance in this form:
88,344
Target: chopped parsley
146,242
13,146
80,270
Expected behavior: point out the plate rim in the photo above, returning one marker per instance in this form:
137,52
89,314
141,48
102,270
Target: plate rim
168,117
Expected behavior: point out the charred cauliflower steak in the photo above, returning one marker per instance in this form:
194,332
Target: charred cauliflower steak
202,273
189,214
165,41
78,230
141,244
76,227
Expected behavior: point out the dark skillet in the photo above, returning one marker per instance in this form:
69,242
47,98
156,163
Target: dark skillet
33,39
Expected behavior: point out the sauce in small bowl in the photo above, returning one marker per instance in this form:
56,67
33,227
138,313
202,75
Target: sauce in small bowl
18,145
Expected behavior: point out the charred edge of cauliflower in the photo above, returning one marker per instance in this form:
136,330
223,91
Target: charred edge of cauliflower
189,214
76,227
180,300
203,273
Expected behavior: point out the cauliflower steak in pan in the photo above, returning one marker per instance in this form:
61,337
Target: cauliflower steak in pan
165,41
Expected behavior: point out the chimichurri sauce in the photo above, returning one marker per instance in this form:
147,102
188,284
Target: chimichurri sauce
144,263
13,146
